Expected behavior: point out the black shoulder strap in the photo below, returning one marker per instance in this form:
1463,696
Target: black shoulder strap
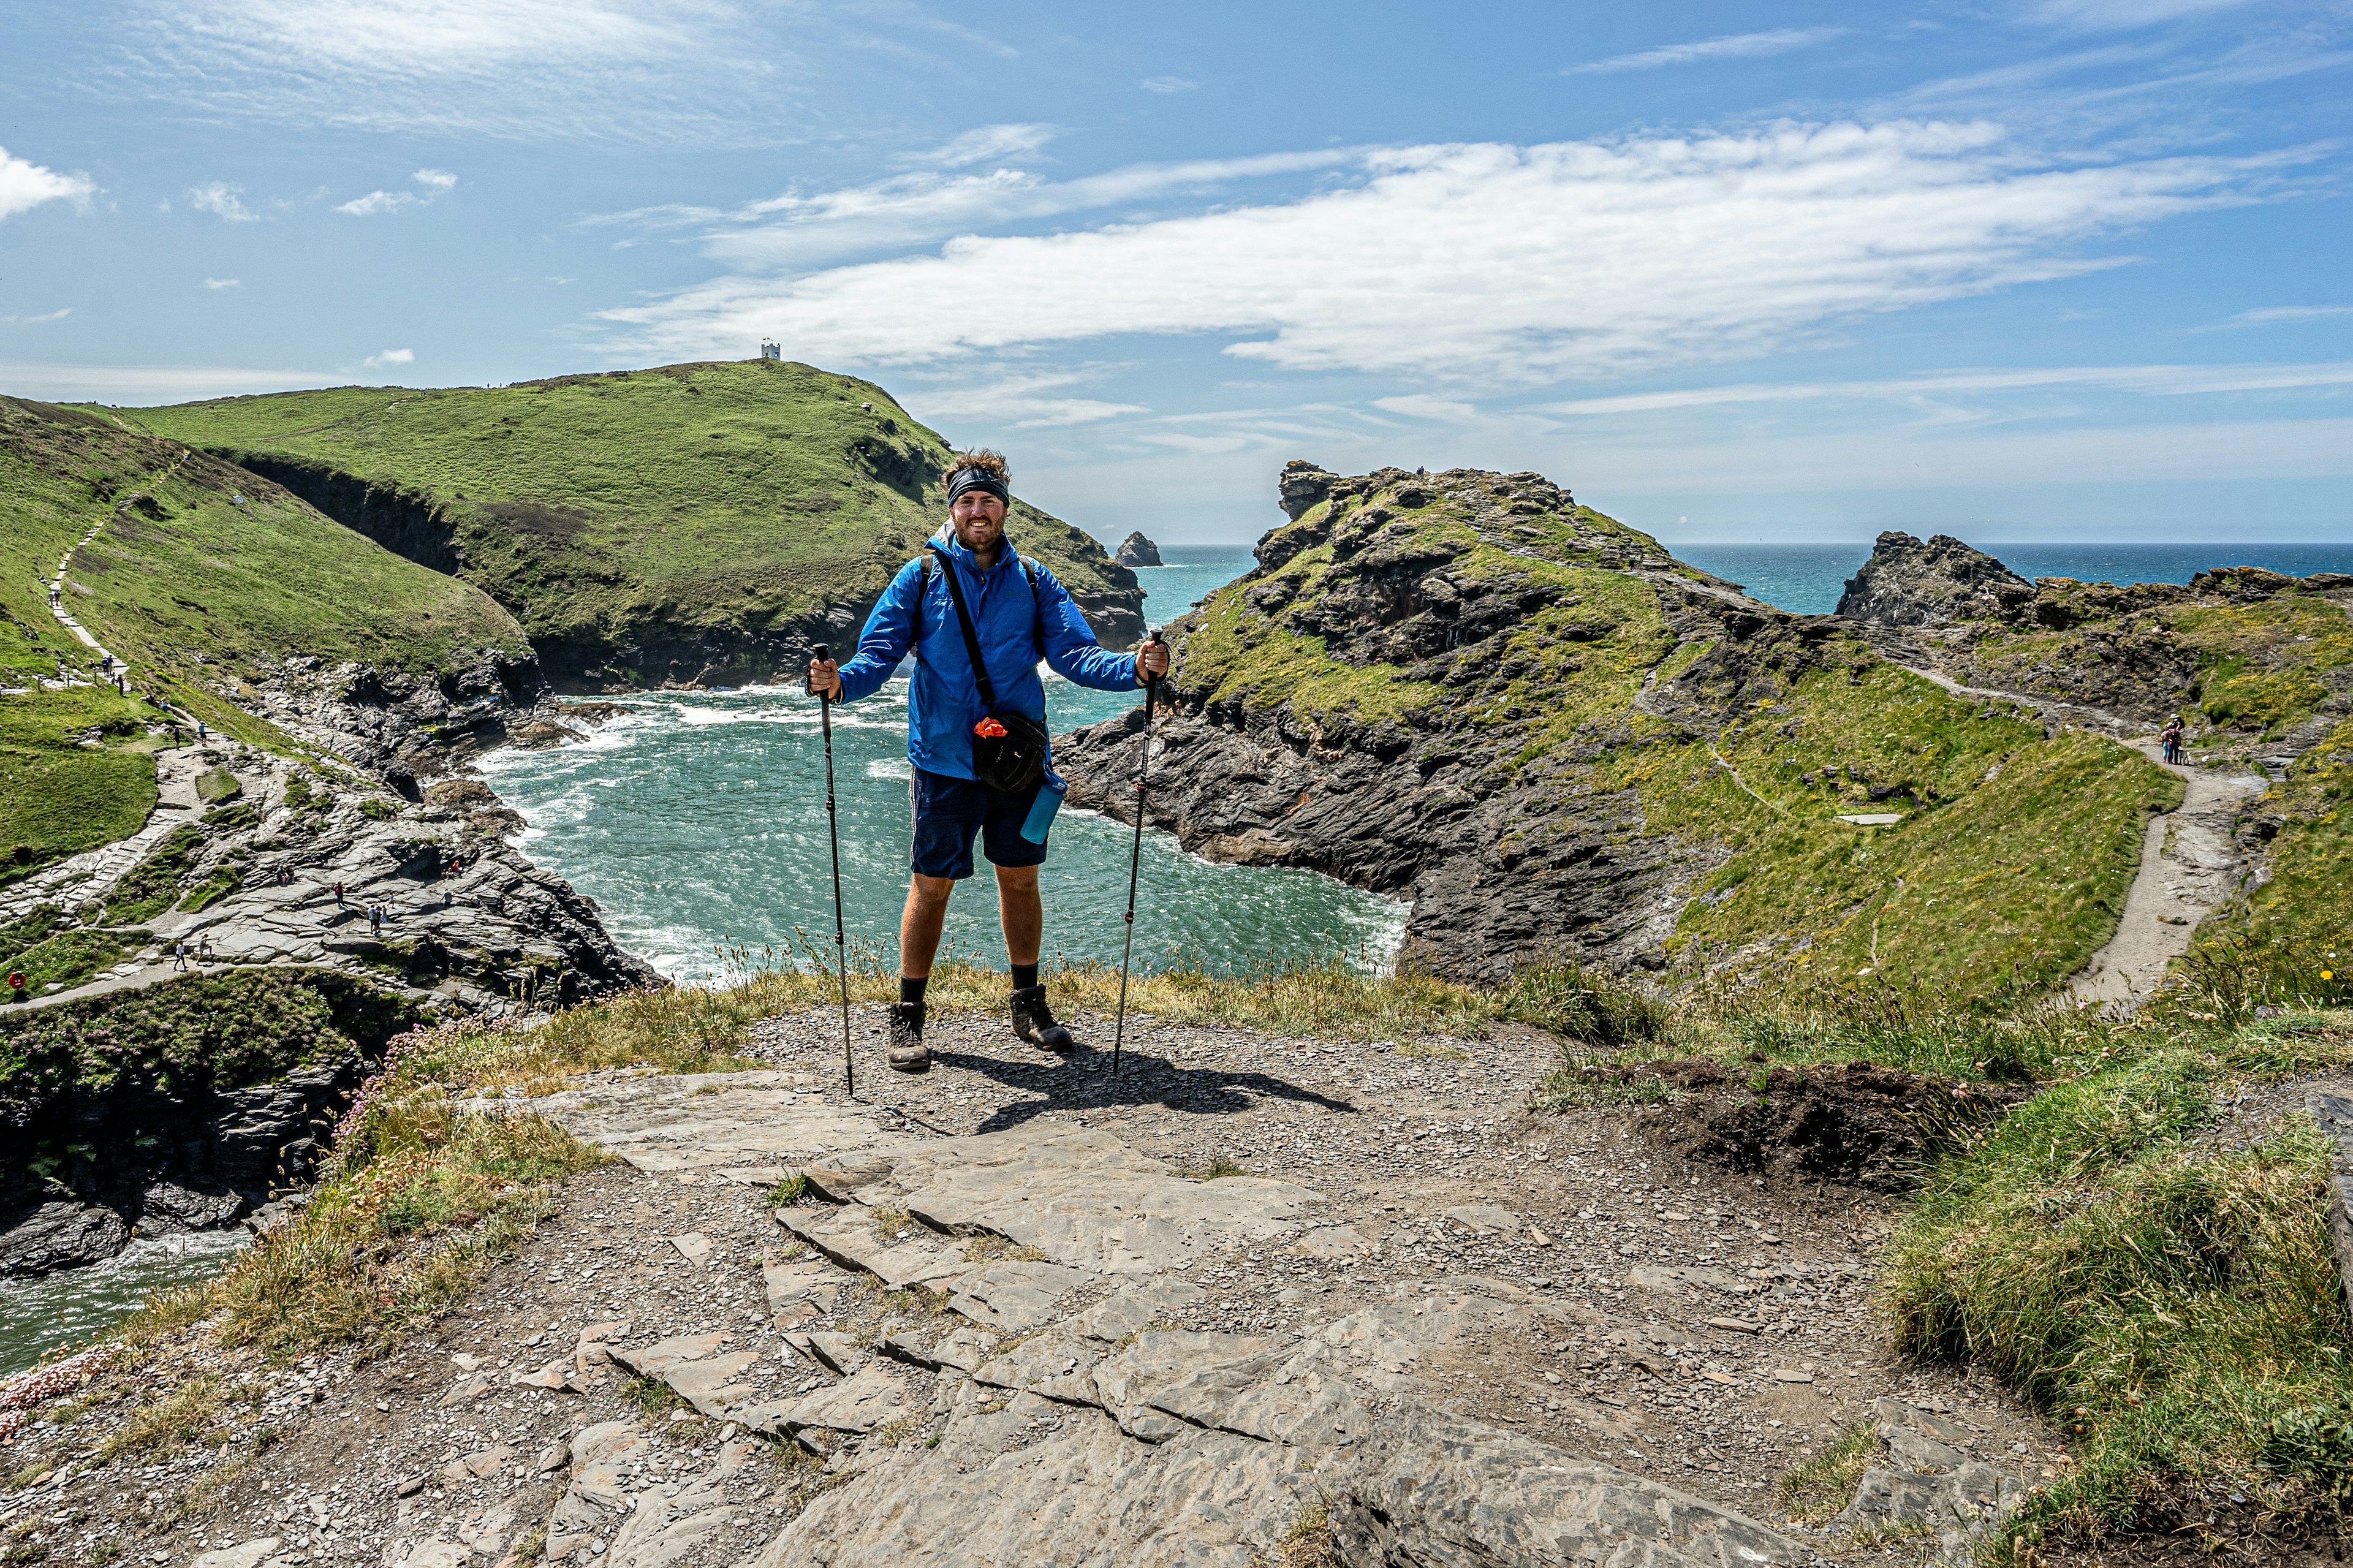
1037,605
971,637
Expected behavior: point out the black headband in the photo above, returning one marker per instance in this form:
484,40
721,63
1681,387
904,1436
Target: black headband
965,479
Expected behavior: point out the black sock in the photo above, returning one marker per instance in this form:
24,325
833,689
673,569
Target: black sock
1025,975
912,990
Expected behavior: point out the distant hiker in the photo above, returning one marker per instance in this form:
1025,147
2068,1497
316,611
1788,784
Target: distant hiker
180,954
2171,736
339,895
1019,613
375,919
15,985
205,948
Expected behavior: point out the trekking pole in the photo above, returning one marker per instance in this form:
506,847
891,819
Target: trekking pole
1134,861
833,836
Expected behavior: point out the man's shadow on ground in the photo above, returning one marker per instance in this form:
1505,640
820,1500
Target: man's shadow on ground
1083,1080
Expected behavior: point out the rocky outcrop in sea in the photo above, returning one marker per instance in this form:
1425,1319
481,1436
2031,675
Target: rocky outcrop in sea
1402,594
1138,550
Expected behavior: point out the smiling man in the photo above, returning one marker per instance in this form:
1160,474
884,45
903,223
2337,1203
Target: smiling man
972,593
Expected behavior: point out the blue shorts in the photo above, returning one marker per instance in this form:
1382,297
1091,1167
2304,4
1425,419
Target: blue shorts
948,811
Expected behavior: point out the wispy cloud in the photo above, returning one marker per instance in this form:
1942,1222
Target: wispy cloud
594,68
2152,380
1168,84
1733,46
985,144
797,230
1524,265
2277,315
57,315
217,283
437,182
140,383
2113,16
25,184
390,357
224,201
1022,402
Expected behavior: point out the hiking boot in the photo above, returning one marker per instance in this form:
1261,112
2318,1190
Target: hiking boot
908,1052
1034,1024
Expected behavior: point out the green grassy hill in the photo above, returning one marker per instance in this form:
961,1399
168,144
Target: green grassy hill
201,576
691,522
1550,734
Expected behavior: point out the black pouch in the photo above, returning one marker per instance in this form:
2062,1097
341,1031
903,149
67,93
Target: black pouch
1008,750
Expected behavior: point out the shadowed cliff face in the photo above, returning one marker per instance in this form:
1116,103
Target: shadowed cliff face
1422,690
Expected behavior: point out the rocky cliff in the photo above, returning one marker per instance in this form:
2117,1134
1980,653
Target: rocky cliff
1138,550
2251,658
1468,691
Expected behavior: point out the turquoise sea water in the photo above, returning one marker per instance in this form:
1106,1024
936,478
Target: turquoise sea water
698,822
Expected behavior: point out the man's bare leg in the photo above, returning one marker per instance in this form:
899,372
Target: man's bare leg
1022,911
926,912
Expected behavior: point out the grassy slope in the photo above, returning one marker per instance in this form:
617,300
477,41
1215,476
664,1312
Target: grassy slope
2293,936
189,588
2006,880
671,503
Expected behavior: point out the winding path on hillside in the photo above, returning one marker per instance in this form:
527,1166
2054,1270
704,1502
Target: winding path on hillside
2189,864
57,583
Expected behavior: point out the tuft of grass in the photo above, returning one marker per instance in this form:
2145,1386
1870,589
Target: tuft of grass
1217,1169
166,1425
1309,1542
1586,1003
791,1190
652,1397
1825,1484
992,1248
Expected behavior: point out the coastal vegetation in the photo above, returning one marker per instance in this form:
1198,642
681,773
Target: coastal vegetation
643,526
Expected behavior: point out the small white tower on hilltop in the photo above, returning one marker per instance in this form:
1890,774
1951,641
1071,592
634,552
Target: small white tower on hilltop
770,350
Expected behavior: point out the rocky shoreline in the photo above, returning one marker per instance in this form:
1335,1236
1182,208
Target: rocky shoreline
367,857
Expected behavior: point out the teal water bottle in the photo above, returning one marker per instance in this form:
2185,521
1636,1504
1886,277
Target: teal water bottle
1040,820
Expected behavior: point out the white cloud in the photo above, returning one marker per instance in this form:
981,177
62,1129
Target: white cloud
1168,84
1735,47
1020,402
1438,410
145,384
2273,315
796,230
390,357
217,283
57,315
593,69
1498,265
2105,15
221,198
986,144
25,184
375,203
437,182
2150,380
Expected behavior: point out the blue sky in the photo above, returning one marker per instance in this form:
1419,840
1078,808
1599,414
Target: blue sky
2025,270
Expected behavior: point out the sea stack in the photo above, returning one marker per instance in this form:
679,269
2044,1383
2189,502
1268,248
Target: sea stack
1907,582
1138,550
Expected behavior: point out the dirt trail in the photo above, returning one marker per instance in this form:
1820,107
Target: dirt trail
2189,864
57,583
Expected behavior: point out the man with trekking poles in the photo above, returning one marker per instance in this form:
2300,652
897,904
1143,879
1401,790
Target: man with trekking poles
978,616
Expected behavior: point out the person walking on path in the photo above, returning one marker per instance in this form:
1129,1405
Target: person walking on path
2171,736
180,954
1019,613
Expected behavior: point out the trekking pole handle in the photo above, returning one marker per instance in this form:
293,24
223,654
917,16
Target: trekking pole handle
824,653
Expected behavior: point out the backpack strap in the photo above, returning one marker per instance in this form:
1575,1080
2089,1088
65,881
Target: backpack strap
971,637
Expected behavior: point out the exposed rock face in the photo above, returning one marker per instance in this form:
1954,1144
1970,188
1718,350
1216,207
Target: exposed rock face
1908,583
1138,550
1428,585
2125,657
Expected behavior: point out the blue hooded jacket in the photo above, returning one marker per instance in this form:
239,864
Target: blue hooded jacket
942,700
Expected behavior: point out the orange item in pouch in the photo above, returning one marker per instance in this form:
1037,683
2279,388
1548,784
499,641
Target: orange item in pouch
989,730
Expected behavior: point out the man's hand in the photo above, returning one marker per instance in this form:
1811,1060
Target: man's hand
1151,661
825,679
